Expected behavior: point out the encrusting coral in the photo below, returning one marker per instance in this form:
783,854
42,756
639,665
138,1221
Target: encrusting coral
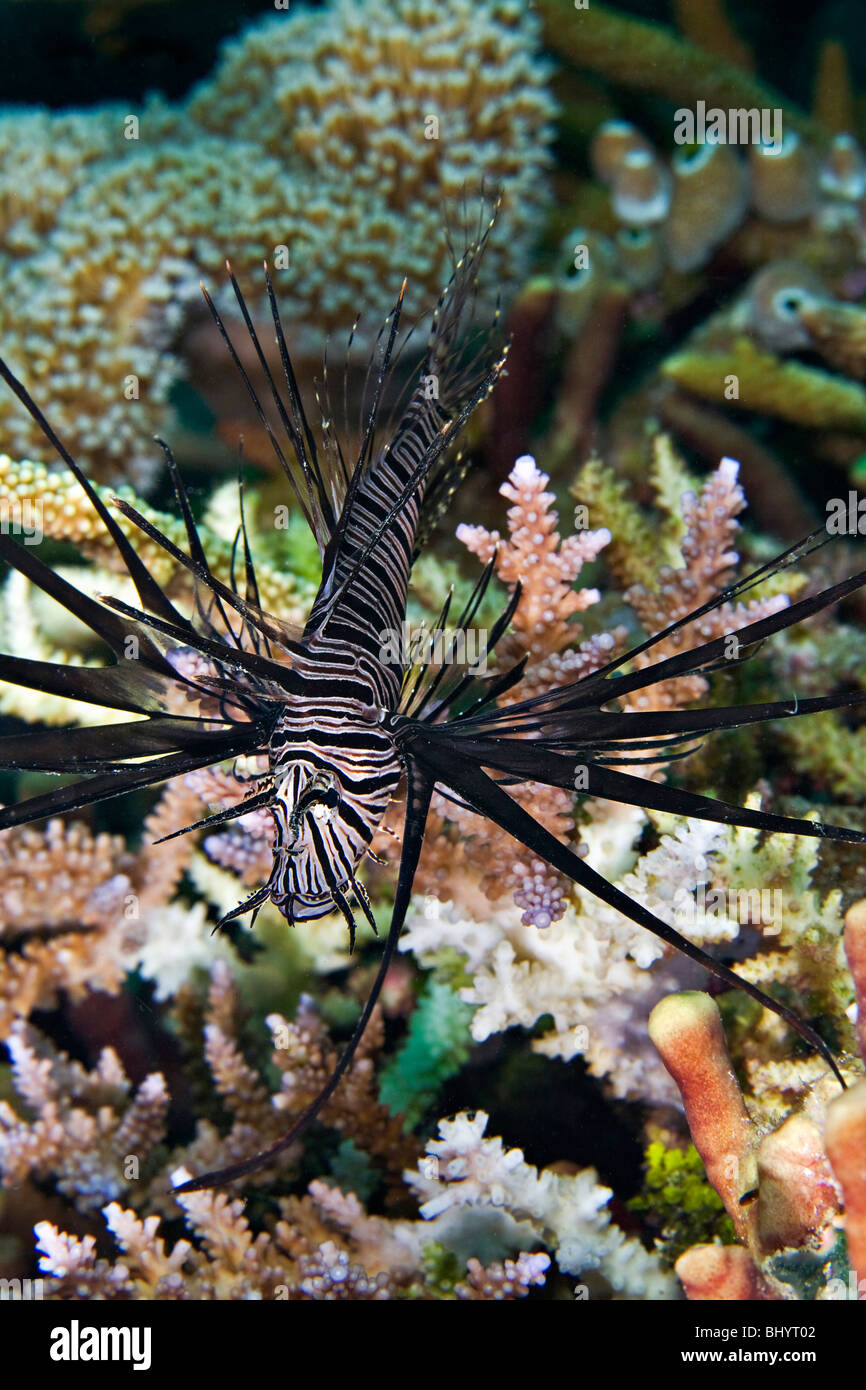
330,143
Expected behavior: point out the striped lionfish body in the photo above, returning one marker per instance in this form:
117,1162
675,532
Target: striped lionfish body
335,764
331,721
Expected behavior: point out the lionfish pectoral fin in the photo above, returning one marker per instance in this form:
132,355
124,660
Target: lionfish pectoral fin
251,803
759,630
253,904
105,624
613,785
697,659
529,759
148,590
129,686
488,799
108,784
417,805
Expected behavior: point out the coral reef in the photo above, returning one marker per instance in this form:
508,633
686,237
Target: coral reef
473,1193
102,1143
688,302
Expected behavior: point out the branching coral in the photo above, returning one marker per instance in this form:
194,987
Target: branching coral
69,916
702,537
648,56
598,975
83,1138
547,567
484,1211
593,972
478,1195
324,1249
475,1181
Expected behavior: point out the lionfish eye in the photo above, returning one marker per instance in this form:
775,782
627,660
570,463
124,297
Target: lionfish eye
318,798
324,804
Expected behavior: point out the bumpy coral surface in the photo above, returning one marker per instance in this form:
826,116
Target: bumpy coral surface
338,146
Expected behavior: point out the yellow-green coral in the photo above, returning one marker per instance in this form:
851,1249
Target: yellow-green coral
679,1202
750,378
635,550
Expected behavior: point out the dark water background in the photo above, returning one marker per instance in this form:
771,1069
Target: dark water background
63,53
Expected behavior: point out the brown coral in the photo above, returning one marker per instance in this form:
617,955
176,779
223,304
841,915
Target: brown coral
69,916
796,1202
89,1135
314,136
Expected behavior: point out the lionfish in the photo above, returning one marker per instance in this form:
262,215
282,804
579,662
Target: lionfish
328,722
